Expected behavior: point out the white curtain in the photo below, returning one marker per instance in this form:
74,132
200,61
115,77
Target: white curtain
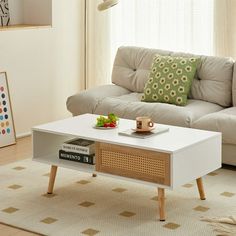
178,25
98,62
196,26
225,28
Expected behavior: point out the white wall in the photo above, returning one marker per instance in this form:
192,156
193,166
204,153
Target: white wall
30,11
37,11
16,11
44,66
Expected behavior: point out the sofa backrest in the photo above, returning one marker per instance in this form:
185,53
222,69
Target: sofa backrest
212,83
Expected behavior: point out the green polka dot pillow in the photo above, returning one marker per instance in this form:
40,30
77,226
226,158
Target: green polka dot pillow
170,80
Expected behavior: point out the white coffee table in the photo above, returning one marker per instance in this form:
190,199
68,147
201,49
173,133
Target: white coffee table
166,161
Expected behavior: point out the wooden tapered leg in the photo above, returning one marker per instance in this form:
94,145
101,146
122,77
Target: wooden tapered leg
52,179
201,189
161,200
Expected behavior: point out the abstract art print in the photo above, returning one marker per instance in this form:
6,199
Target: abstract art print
4,13
7,130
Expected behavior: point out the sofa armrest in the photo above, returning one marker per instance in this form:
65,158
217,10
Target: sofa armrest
87,100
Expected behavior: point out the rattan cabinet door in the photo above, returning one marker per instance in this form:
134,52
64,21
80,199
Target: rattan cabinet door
133,163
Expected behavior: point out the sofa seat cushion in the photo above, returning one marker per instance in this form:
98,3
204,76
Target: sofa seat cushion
223,121
87,100
129,106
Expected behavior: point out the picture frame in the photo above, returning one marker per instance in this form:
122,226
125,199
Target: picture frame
7,127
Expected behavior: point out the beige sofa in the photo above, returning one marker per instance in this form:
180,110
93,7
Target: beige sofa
210,105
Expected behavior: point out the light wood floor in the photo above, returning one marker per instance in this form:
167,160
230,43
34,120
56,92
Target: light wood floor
22,150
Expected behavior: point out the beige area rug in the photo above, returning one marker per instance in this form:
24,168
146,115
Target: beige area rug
223,225
101,206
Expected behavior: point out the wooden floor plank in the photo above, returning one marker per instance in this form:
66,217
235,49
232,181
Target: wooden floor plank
21,150
8,231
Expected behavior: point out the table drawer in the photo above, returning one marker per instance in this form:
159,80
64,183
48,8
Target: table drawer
133,163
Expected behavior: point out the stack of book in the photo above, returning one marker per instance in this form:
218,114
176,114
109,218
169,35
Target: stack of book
79,150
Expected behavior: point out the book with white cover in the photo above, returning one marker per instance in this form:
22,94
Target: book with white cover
82,146
133,133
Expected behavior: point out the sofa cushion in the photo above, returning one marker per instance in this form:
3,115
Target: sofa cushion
129,106
213,81
223,121
170,80
132,66
87,100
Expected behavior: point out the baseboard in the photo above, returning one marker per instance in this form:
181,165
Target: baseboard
23,135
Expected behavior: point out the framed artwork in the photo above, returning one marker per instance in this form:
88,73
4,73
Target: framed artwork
7,129
4,13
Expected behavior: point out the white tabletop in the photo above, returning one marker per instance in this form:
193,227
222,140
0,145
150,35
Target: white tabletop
176,139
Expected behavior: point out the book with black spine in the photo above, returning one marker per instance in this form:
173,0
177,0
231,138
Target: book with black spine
77,157
82,146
